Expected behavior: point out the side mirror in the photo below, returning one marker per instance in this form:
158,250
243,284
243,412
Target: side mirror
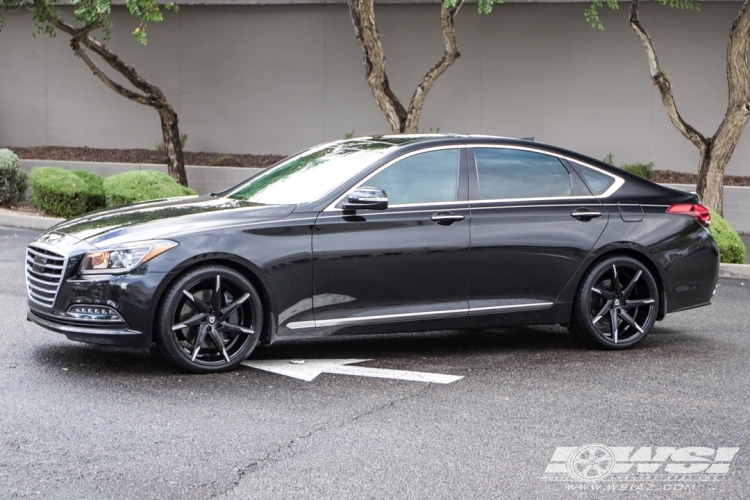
366,198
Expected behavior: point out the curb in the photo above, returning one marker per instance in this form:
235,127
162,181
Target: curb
28,221
735,271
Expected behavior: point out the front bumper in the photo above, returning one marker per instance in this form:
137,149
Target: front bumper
112,334
133,296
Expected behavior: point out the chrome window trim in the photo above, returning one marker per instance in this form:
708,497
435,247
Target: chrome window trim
494,207
51,248
619,181
332,206
546,198
296,325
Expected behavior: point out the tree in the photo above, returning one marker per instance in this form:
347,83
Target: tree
716,150
403,119
93,15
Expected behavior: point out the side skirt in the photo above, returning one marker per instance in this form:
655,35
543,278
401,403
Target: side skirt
556,313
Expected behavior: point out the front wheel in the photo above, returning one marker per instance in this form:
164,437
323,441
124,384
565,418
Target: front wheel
616,304
209,320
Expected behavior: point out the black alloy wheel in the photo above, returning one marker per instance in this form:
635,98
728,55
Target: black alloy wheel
616,304
209,320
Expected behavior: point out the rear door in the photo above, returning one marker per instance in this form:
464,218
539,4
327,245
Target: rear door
533,223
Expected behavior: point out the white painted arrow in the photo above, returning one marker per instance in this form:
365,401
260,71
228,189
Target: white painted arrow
311,368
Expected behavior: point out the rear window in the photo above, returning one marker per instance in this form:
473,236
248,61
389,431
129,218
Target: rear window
597,182
515,173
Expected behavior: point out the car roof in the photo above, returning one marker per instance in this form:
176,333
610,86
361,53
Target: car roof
400,140
395,143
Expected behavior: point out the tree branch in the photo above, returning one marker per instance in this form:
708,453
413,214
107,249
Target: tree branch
83,54
659,78
447,16
738,82
81,38
366,30
737,57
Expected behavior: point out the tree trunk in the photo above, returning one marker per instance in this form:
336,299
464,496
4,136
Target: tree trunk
447,22
710,178
400,119
173,145
149,95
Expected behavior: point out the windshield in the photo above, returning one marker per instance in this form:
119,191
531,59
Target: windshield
311,174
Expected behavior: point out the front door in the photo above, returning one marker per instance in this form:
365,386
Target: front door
407,262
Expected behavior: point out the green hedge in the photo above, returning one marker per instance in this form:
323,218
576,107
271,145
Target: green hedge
59,192
141,185
644,170
731,248
13,181
95,189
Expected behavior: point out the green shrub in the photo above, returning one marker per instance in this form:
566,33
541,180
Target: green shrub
95,189
141,185
644,170
731,248
609,159
58,191
13,181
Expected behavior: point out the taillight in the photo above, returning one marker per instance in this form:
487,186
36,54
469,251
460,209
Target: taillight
696,211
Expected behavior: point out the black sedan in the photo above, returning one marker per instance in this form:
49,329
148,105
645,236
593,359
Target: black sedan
377,235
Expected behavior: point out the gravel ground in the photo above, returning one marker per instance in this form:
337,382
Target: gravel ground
61,153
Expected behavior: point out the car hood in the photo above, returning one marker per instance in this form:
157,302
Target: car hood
162,218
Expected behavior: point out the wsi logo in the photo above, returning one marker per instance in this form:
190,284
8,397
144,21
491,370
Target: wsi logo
597,462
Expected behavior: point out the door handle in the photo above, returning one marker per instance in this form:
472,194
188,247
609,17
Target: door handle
446,218
584,214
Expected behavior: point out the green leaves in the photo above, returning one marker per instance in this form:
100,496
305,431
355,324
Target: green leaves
483,6
92,14
592,11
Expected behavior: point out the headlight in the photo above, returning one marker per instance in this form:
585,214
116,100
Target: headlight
123,258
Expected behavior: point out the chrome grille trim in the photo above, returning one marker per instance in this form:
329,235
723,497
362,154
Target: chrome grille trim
45,267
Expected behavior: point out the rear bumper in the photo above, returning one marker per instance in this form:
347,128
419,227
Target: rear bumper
118,335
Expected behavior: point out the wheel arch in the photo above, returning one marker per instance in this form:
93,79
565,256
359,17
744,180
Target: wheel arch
233,262
643,256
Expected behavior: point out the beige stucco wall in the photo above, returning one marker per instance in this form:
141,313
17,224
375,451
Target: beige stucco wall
277,78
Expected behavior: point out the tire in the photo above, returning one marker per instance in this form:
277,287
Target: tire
618,290
209,320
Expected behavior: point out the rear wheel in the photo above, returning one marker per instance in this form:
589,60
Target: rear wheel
616,304
209,320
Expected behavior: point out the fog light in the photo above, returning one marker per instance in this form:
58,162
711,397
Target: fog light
94,313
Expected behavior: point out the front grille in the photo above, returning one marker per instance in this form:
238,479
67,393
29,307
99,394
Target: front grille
45,267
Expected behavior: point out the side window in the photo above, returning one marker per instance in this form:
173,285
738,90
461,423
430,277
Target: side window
513,173
421,178
597,182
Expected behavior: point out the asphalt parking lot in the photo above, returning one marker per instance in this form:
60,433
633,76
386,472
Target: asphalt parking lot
80,421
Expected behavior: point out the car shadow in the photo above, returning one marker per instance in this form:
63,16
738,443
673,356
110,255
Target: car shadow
99,359
435,344
96,360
